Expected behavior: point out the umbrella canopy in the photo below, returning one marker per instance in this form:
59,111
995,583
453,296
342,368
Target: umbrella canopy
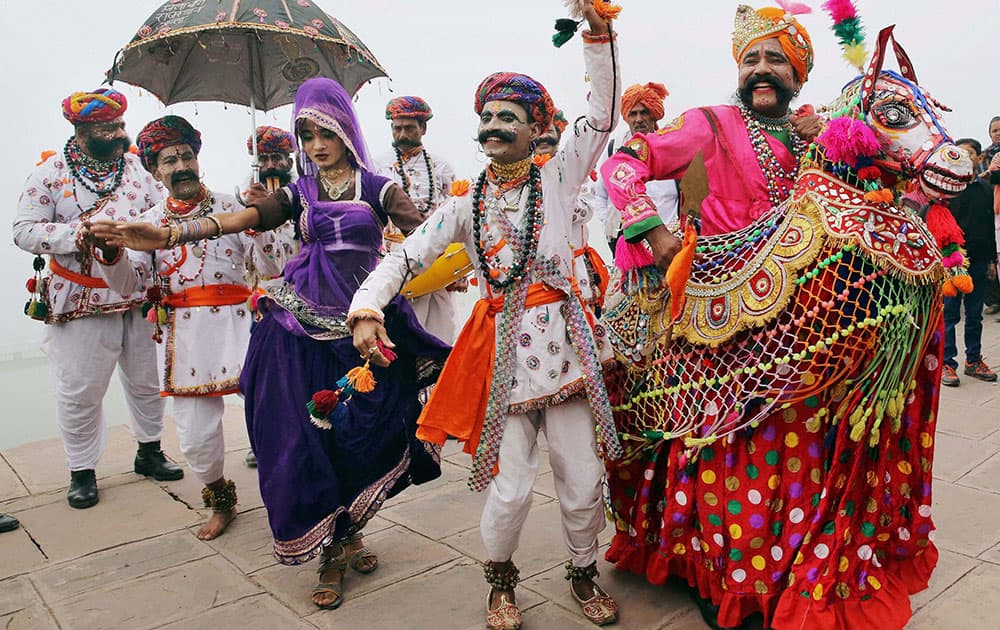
246,53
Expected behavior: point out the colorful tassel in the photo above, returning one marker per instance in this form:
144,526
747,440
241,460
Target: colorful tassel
565,29
679,271
943,227
321,406
849,31
629,256
361,379
606,11
847,139
963,282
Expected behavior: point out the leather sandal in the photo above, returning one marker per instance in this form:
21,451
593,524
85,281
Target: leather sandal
330,561
600,609
506,616
356,558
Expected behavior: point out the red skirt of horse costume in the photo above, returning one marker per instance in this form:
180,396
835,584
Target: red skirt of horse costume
779,448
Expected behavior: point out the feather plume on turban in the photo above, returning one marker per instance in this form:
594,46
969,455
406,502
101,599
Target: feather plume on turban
408,107
651,95
162,133
101,105
751,27
520,89
272,140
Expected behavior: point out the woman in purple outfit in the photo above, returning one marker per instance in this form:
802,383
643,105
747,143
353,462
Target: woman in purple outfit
321,487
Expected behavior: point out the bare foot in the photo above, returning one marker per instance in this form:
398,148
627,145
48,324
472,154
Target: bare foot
365,563
216,524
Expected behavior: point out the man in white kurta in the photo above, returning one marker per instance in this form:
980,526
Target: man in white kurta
199,298
427,179
518,222
92,328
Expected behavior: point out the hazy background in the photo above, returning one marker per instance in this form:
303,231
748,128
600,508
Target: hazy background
439,50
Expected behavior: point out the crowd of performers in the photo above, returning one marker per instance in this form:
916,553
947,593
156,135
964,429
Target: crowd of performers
291,296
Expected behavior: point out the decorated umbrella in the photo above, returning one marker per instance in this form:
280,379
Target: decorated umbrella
247,53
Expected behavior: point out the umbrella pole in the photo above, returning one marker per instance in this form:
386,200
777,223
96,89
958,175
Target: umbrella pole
255,165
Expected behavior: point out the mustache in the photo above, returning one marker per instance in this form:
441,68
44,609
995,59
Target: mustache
100,148
549,140
499,134
784,93
405,143
180,176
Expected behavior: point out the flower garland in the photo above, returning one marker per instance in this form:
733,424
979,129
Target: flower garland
406,180
531,227
107,176
774,172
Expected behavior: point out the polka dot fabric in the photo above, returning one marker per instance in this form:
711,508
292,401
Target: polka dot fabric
792,519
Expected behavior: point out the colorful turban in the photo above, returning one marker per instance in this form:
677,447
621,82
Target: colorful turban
559,122
408,107
162,133
101,105
272,140
651,95
520,89
752,26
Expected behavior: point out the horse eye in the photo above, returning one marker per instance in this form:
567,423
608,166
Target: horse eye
895,114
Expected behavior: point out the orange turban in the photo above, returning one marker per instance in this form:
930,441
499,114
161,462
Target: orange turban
651,95
751,27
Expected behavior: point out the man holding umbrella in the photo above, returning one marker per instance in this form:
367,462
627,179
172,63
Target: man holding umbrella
274,155
92,328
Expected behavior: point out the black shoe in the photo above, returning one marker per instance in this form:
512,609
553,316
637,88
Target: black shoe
150,461
82,491
250,460
8,523
992,309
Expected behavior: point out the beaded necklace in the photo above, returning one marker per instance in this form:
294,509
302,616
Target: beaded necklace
187,210
406,180
530,230
333,189
774,172
107,176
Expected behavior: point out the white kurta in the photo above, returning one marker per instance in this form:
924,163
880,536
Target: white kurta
91,329
435,311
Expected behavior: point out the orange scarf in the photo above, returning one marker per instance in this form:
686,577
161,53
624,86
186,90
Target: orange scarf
457,405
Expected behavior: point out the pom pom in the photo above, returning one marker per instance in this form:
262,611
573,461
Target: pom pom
36,310
963,283
389,355
856,54
38,263
846,139
565,29
361,379
31,285
840,10
880,195
322,403
870,172
629,256
154,294
161,315
954,259
541,160
942,226
460,188
948,289
254,300
605,10
151,315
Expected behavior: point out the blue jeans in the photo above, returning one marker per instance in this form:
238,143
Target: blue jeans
973,318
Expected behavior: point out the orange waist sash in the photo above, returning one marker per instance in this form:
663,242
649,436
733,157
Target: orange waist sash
457,405
209,295
78,278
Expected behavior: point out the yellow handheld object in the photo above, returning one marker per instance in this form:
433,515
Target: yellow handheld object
450,266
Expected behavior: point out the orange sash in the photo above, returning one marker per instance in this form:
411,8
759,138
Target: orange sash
210,295
77,278
457,405
597,264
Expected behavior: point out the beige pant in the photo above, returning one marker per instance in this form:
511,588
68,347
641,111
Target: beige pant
577,471
83,354
199,431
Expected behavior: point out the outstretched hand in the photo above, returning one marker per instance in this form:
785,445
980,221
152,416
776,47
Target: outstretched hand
137,235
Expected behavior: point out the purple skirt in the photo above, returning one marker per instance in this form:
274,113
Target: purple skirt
319,485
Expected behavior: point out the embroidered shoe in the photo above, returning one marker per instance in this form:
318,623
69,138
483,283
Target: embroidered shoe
949,378
980,371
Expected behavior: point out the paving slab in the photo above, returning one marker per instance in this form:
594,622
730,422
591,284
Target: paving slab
159,598
402,554
259,611
16,594
966,518
189,488
452,476
247,542
451,509
642,606
234,430
970,395
10,484
18,553
971,602
126,513
991,555
30,501
451,597
985,476
32,618
552,617
118,565
956,455
951,567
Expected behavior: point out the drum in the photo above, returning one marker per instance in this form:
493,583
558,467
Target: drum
450,266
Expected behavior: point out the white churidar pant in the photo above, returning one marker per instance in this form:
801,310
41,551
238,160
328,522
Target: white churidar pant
83,354
577,471
199,431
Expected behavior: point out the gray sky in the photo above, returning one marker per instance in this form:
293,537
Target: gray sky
440,50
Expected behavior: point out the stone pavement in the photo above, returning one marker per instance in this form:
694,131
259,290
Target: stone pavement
133,560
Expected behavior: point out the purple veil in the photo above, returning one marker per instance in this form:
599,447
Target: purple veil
327,103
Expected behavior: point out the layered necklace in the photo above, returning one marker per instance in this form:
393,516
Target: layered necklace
506,177
406,180
106,176
777,176
330,184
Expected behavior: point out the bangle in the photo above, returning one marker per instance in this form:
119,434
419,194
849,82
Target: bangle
364,313
218,224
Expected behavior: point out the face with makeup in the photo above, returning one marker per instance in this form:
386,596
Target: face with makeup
767,79
323,146
177,169
506,132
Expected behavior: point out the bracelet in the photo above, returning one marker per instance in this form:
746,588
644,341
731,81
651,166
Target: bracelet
590,38
218,224
364,313
173,235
